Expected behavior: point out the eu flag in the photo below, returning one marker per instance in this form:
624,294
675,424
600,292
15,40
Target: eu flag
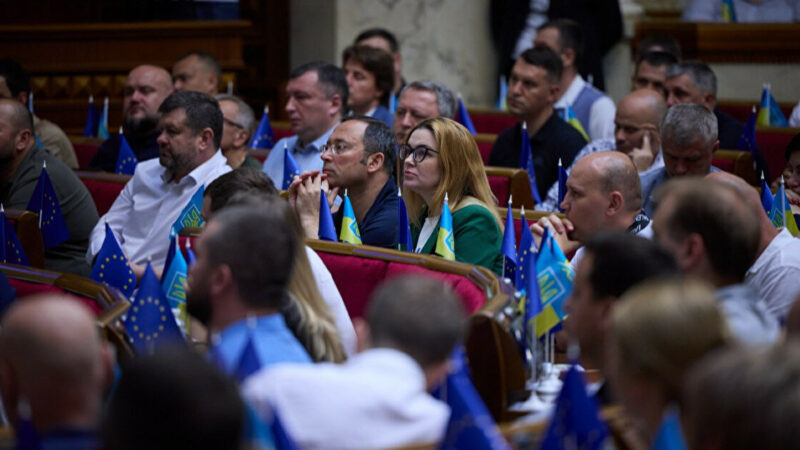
463,116
90,129
126,160
524,249
327,230
281,437
555,276
45,203
264,138
11,250
445,242
562,184
290,168
248,363
111,266
404,242
575,422
509,248
766,195
470,425
568,115
102,128
150,322
526,162
533,300
669,435
349,232
190,216
747,143
173,284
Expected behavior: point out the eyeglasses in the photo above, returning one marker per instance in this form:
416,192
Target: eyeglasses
337,148
232,123
419,153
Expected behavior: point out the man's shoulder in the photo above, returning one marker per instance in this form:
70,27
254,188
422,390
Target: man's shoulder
559,133
653,177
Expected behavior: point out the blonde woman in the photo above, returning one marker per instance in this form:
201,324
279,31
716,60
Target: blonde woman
441,157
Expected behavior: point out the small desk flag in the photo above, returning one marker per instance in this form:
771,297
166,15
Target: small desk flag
770,113
327,230
126,160
463,116
523,252
568,115
45,203
190,216
445,242
11,250
90,129
149,320
562,184
111,266
575,422
526,162
349,232
102,128
555,275
404,242
509,248
263,138
173,284
290,168
766,195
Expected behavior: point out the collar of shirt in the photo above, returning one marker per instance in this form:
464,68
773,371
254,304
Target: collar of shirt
569,96
269,322
774,246
316,145
393,361
199,172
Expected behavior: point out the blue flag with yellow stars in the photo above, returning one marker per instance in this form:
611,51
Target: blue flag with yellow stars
327,230
191,215
555,275
111,267
263,138
45,203
464,118
173,283
404,241
11,250
90,129
575,422
290,168
509,248
524,249
149,320
533,299
445,241
126,160
526,162
349,232
766,195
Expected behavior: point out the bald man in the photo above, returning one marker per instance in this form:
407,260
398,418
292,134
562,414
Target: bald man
197,71
776,271
637,127
53,360
145,88
603,194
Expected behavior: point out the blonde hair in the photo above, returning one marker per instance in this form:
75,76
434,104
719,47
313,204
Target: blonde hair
661,328
460,163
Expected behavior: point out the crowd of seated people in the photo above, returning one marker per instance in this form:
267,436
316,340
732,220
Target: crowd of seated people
681,277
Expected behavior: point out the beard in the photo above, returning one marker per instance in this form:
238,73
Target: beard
198,305
139,126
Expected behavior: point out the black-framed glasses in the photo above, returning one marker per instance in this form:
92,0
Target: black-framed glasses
419,153
337,148
233,124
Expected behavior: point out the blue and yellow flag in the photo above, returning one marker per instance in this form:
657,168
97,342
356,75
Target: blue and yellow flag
327,230
766,196
463,116
126,160
445,241
509,248
149,320
290,168
30,102
533,300
11,250
568,115
781,215
770,114
102,128
392,103
523,252
575,422
263,138
502,91
191,215
173,284
670,434
349,232
90,129
526,162
562,184
44,202
111,266
728,11
555,275
404,241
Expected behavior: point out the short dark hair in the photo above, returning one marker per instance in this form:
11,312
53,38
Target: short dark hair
418,315
17,79
569,35
378,138
621,260
793,146
202,111
206,58
382,33
329,76
656,59
243,179
377,62
204,407
667,44
545,58
259,245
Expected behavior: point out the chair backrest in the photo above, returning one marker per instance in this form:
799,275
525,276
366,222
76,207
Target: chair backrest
505,180
85,149
26,225
737,162
485,143
773,141
104,187
491,120
281,130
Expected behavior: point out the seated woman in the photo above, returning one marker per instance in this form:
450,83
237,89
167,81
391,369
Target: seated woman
441,157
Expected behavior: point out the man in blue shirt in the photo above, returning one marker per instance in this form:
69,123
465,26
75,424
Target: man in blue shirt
316,98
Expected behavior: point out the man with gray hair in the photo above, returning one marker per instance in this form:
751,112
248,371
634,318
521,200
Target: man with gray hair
688,141
238,123
420,100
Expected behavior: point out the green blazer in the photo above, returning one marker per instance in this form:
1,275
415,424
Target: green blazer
477,238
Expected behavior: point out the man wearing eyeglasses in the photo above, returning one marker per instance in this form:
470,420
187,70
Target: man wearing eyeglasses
238,122
359,157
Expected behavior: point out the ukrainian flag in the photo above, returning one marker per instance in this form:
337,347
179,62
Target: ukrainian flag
102,129
445,242
568,115
728,11
173,284
349,233
770,114
781,214
191,215
555,275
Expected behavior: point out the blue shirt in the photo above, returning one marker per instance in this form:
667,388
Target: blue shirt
383,114
650,181
379,227
273,341
308,157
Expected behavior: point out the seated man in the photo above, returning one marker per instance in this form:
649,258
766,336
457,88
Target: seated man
594,109
197,71
238,124
143,214
15,85
637,122
359,157
612,263
54,371
237,286
791,173
688,143
420,100
714,237
532,90
317,97
370,77
385,40
651,71
21,162
378,398
145,89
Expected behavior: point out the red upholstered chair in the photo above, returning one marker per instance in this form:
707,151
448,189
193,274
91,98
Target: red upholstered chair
104,187
737,162
740,109
85,148
773,141
258,153
505,180
485,143
26,225
281,130
187,237
491,120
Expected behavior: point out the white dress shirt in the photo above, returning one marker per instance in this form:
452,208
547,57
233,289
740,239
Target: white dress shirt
601,114
331,296
144,211
776,273
377,399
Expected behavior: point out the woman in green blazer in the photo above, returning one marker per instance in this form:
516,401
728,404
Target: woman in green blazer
441,157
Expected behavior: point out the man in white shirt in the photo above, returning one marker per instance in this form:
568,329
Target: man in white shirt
594,109
189,158
378,398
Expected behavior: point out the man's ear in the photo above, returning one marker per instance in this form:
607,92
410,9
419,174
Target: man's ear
375,162
569,56
693,250
241,139
615,202
555,92
336,105
207,139
22,140
221,280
